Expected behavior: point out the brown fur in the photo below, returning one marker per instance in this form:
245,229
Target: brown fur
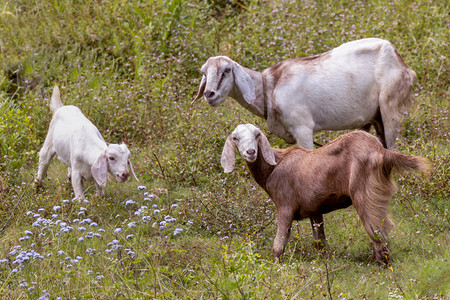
353,169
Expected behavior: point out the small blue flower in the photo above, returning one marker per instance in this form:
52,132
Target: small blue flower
141,187
117,230
129,202
177,231
130,236
146,218
132,224
56,207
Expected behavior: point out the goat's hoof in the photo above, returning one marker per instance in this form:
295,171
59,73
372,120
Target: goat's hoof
38,185
383,257
320,245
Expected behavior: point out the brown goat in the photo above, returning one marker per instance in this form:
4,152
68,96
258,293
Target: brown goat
353,169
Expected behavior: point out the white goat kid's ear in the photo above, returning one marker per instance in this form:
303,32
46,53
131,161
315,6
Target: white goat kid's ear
228,159
201,89
132,171
99,170
244,83
266,150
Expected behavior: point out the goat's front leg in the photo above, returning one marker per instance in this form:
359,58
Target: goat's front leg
318,231
100,190
284,220
77,184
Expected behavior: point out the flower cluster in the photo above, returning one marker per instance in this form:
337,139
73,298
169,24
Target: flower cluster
80,235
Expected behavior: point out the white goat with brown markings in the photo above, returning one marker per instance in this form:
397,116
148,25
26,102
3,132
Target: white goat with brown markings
353,169
355,85
78,144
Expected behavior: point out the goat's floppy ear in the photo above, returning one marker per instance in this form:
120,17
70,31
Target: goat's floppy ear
244,83
266,150
228,158
132,171
99,170
201,89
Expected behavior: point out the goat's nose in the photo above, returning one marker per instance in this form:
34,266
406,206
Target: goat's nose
251,152
125,174
209,94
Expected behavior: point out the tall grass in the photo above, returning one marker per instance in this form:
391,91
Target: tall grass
188,230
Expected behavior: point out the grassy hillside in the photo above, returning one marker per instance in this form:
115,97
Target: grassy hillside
187,230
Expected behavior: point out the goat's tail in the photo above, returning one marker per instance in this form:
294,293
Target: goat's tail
55,103
400,163
373,204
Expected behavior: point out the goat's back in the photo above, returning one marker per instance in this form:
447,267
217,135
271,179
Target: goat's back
73,133
308,179
312,181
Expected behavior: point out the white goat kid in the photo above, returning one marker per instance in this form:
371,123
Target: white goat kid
79,145
355,85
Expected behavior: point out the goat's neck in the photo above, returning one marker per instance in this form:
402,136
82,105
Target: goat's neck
96,148
259,107
260,170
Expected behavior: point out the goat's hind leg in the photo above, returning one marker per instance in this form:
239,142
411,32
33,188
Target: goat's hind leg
45,156
318,231
374,216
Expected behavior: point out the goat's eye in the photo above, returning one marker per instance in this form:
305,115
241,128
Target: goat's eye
112,158
258,135
227,70
235,139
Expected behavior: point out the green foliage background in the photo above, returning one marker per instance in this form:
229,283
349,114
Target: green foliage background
133,69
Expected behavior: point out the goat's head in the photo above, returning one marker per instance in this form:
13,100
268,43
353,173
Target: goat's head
248,140
115,160
220,76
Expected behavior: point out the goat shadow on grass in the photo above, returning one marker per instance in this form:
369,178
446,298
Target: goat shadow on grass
309,253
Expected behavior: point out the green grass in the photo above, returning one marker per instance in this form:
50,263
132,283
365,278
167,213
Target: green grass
133,69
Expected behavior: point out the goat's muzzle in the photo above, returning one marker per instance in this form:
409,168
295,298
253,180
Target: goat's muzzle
122,177
250,155
213,98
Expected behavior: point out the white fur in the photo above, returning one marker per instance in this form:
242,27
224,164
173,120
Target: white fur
352,86
79,145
